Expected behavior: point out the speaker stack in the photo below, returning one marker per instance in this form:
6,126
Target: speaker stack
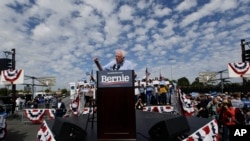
170,129
66,131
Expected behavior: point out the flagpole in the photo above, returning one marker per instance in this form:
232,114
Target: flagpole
171,69
171,72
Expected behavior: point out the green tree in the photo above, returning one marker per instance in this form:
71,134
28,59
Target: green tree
47,91
3,91
197,83
64,91
183,82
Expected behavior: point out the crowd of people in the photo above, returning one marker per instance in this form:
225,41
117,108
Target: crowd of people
226,109
153,92
39,101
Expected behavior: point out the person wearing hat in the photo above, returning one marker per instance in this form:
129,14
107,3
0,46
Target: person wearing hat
226,117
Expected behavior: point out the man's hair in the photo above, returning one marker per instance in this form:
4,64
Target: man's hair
121,51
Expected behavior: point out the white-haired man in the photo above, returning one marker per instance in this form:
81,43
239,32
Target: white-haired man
119,63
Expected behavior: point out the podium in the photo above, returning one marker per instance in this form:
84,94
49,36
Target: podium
115,105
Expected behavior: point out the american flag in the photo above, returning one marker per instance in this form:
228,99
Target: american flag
161,77
147,74
92,76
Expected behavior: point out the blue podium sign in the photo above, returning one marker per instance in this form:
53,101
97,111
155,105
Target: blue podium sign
107,79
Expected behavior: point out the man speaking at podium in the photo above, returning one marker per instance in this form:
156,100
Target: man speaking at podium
116,120
118,64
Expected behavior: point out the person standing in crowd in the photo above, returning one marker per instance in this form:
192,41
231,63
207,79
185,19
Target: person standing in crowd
172,94
142,93
18,103
120,63
202,107
236,101
81,93
156,94
60,108
212,107
240,110
149,91
163,92
139,105
168,95
137,91
88,94
226,117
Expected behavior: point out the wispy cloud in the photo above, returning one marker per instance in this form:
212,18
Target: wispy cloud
61,38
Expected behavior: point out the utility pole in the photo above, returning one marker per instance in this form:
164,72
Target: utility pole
243,60
243,55
222,80
13,68
171,69
11,65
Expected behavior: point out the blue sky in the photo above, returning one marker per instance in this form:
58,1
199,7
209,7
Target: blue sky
60,38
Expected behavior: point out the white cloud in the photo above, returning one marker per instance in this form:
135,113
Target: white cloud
112,30
211,8
160,11
126,12
186,5
61,41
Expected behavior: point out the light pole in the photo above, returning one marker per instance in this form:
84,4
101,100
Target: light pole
171,69
171,72
13,67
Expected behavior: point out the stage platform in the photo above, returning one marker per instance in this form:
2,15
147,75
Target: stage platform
144,121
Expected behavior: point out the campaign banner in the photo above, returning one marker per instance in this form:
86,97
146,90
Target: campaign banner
122,78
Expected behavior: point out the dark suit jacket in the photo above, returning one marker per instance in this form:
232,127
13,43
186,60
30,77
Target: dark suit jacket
60,111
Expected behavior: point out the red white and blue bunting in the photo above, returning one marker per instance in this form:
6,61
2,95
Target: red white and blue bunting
86,110
159,109
186,104
12,76
44,133
74,106
208,132
51,113
239,69
89,110
36,115
76,110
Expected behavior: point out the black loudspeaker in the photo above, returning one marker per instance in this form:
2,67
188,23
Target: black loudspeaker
169,129
66,131
5,64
